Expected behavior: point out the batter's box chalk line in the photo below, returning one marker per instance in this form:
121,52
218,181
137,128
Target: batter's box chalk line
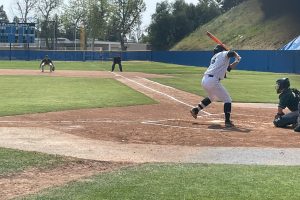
201,114
209,124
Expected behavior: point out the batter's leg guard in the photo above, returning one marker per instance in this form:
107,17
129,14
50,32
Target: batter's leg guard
205,102
227,111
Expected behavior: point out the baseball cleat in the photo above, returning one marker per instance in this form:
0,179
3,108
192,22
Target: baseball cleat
194,112
229,124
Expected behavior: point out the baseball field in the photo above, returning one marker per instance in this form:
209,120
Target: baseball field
83,132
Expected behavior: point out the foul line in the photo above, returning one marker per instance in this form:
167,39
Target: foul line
75,121
161,93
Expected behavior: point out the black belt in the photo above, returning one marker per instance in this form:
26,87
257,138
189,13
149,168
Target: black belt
209,75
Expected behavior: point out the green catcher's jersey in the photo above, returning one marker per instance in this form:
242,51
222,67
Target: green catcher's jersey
288,99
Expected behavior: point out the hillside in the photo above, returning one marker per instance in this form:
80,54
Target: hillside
243,27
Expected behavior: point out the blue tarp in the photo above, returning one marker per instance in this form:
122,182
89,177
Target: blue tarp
292,45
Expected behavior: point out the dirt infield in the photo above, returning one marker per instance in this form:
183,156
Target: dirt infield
163,132
166,123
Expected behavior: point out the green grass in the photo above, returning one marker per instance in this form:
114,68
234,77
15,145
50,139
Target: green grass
33,94
243,86
185,181
131,66
12,161
60,65
161,68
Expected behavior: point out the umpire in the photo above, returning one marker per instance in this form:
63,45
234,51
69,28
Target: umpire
288,98
116,60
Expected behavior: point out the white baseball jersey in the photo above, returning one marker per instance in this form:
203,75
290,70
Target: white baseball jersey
211,79
218,65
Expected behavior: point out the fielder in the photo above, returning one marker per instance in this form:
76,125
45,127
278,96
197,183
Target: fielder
219,64
47,61
288,98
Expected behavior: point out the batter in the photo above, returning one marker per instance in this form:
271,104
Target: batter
219,64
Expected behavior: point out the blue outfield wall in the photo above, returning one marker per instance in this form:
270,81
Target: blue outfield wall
252,60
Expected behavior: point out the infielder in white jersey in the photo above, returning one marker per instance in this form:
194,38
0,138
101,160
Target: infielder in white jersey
219,64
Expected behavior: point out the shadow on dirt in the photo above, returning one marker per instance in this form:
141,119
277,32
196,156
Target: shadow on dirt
231,129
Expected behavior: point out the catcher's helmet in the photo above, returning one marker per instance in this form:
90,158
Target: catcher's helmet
219,48
282,84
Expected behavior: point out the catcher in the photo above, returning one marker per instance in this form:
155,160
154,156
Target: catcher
288,98
47,61
297,128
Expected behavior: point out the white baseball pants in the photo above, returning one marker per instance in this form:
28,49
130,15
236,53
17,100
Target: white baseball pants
215,90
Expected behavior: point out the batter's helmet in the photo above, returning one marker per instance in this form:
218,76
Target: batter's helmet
219,48
282,84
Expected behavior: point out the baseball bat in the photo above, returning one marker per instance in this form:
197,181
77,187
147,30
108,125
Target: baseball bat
214,38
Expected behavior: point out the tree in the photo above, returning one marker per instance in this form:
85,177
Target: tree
3,16
98,16
208,10
183,24
74,14
276,8
228,4
160,30
89,15
16,20
49,24
126,14
137,32
24,7
172,22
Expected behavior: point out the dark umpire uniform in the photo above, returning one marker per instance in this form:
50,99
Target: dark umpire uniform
117,60
288,98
